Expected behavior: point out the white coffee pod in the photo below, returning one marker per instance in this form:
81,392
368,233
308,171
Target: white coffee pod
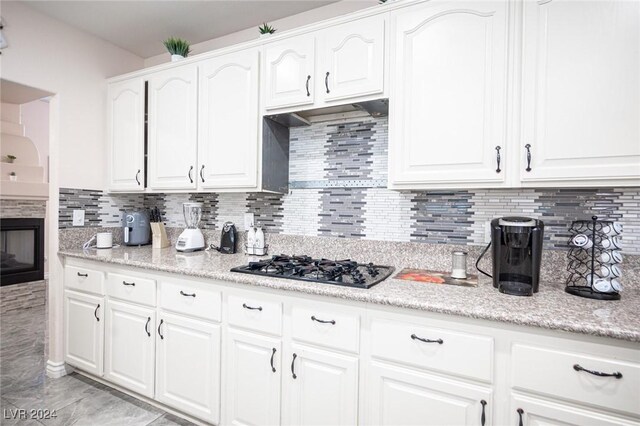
616,285
602,285
582,241
610,271
611,257
610,243
614,229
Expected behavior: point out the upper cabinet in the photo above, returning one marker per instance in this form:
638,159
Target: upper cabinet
580,93
350,64
290,72
172,128
125,134
352,59
448,109
228,125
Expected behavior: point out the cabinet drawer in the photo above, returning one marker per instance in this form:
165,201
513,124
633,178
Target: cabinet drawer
326,326
189,298
255,314
84,279
132,289
435,349
541,370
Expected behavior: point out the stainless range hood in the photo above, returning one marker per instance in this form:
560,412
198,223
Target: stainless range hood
375,108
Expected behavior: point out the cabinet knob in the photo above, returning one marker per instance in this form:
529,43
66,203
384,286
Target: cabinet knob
498,148
617,374
201,173
189,174
528,148
159,327
326,81
307,85
293,362
520,413
95,313
272,355
146,327
438,341
137,177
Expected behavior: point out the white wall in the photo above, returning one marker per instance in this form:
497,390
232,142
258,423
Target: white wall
47,54
290,22
34,116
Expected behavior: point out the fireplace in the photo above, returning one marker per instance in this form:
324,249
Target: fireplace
21,250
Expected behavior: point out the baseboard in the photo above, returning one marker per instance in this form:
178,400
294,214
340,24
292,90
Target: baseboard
55,370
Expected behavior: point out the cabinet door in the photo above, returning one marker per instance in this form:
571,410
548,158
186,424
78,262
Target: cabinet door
84,331
352,61
228,125
399,396
528,411
581,92
125,132
290,66
324,390
172,131
253,371
188,366
130,347
447,121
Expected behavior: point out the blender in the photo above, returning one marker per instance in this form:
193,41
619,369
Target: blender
191,239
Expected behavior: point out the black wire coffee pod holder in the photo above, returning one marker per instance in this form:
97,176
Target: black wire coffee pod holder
594,256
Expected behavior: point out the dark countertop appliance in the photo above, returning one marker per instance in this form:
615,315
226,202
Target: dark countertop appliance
338,272
136,228
517,253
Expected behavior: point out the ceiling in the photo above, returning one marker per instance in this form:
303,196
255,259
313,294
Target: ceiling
139,26
15,93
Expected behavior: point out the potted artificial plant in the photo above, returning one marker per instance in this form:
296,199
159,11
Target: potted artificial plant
11,158
178,48
266,30
13,177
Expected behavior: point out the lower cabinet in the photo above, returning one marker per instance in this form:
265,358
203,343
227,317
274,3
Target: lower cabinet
320,387
130,347
84,331
188,366
527,411
253,374
400,396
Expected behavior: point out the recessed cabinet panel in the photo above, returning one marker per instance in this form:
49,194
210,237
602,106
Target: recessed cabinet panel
447,117
228,135
581,92
188,366
84,331
404,397
290,66
253,373
172,128
353,59
130,347
125,132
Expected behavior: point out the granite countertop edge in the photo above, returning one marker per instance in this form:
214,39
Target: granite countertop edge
361,295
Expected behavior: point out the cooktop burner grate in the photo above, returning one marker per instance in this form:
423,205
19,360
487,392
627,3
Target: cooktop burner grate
338,272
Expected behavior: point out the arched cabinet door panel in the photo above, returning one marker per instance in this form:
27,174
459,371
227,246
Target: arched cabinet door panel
289,73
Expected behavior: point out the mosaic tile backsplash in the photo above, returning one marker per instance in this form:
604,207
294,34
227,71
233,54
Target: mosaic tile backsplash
338,173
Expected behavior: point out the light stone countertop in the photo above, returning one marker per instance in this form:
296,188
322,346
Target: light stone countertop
550,308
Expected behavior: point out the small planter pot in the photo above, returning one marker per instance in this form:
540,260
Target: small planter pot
176,58
267,35
13,178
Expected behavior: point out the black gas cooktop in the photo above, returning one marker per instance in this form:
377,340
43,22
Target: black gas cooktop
338,272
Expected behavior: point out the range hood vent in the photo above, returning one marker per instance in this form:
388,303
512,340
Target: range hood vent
376,108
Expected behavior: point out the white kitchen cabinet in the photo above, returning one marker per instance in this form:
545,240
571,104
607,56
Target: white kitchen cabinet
188,366
352,59
581,93
399,396
320,388
84,331
527,411
253,373
228,124
125,133
130,346
448,100
289,72
172,128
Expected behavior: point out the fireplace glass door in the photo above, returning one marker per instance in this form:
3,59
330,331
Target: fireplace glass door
21,250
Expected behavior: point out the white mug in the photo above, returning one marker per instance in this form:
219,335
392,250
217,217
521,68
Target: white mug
610,243
614,229
583,241
104,240
611,257
610,271
602,285
616,285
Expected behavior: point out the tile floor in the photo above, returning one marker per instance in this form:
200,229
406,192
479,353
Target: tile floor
75,399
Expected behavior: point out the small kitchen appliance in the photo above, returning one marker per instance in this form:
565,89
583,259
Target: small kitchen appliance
191,239
228,238
136,228
517,253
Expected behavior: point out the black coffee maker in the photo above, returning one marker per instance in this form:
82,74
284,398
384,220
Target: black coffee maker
517,253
